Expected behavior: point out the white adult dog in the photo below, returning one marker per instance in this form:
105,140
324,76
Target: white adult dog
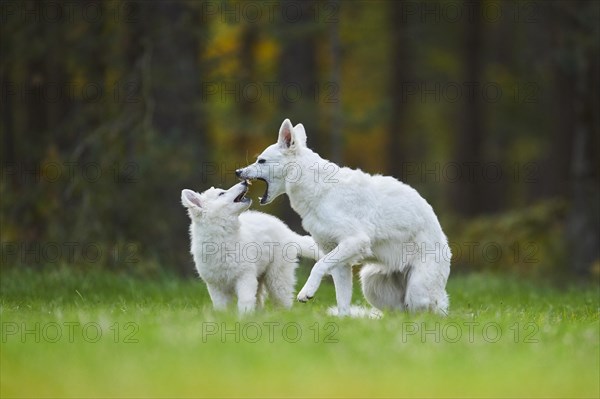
357,218
243,253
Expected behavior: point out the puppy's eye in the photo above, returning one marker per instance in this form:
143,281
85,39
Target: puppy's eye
262,160
221,193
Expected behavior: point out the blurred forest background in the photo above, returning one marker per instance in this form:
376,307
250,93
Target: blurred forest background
110,108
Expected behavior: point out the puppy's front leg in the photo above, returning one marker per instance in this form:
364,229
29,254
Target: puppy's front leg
246,288
219,297
349,250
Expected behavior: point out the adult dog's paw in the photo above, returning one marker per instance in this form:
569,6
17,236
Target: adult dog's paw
303,295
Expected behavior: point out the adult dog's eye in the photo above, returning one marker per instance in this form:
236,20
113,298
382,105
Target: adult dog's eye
262,160
221,193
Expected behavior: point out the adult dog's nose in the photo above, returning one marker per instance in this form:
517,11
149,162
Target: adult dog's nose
238,172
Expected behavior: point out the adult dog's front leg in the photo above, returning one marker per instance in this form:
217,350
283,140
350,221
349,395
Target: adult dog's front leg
348,251
342,280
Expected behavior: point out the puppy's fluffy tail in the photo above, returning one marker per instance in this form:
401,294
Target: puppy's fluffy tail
308,247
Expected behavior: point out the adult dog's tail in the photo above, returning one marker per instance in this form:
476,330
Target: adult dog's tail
418,288
382,289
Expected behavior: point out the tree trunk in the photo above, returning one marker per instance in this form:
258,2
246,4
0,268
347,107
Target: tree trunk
247,77
400,61
8,134
336,80
298,69
556,181
467,190
174,32
175,72
583,224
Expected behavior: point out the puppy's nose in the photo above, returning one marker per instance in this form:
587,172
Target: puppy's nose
238,172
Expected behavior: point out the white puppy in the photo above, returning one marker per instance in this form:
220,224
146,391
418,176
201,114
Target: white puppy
359,218
243,253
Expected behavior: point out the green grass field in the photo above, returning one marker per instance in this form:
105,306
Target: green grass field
101,335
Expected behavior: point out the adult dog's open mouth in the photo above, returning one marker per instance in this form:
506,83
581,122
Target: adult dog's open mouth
265,197
242,196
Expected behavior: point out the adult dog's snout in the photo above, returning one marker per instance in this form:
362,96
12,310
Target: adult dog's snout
238,173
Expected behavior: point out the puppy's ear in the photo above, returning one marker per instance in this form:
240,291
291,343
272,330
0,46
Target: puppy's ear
190,199
290,136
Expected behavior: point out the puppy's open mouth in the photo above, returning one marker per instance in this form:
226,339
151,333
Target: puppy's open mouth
265,197
242,196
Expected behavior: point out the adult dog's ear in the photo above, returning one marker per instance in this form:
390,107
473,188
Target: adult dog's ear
291,137
300,134
190,199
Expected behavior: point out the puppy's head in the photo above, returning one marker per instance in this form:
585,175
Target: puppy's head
216,202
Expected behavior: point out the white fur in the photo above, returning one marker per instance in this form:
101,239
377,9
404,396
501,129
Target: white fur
357,312
359,218
243,253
